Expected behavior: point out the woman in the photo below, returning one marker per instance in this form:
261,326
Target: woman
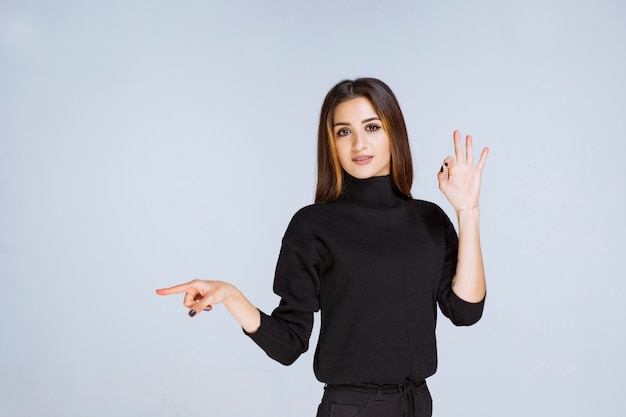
375,262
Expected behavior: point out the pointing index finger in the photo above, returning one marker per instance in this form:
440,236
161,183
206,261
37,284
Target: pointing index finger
176,289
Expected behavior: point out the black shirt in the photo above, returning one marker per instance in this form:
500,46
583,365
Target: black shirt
376,263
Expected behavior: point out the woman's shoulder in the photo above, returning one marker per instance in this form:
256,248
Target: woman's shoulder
312,213
425,205
428,208
307,225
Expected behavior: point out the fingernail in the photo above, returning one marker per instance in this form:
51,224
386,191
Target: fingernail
209,308
192,313
441,170
445,163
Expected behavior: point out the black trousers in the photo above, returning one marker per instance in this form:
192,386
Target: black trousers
369,400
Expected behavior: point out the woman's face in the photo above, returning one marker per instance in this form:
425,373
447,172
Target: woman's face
361,142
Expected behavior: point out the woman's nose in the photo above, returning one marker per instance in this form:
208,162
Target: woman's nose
358,142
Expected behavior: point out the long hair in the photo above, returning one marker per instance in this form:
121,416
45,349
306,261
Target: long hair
329,172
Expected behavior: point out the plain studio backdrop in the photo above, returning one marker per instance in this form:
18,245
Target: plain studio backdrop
147,143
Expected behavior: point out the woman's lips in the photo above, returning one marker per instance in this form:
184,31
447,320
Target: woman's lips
362,159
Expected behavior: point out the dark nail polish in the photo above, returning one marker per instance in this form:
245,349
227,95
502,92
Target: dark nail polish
445,163
192,313
441,170
208,308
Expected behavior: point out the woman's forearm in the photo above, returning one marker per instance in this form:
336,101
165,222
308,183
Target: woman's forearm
243,311
469,281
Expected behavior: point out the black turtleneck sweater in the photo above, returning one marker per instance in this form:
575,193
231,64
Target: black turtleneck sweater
376,264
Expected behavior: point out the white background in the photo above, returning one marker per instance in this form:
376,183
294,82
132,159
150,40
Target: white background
146,143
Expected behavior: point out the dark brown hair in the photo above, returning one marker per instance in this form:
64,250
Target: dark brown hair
329,172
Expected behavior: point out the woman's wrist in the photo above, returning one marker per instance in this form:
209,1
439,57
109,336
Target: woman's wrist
242,310
466,210
468,216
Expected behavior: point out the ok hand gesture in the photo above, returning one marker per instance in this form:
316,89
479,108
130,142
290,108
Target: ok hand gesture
459,180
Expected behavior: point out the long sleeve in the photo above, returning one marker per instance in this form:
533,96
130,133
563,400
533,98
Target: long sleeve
284,335
459,311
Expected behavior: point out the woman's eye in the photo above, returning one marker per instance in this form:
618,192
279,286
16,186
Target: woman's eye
372,128
343,132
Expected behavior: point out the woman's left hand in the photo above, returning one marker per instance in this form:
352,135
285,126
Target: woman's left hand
459,180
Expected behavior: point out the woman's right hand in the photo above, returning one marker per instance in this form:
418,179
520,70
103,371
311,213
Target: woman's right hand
200,295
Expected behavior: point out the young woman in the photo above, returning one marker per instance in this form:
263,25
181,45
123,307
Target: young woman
375,261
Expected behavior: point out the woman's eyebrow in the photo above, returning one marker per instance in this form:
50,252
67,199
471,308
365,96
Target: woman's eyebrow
364,121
